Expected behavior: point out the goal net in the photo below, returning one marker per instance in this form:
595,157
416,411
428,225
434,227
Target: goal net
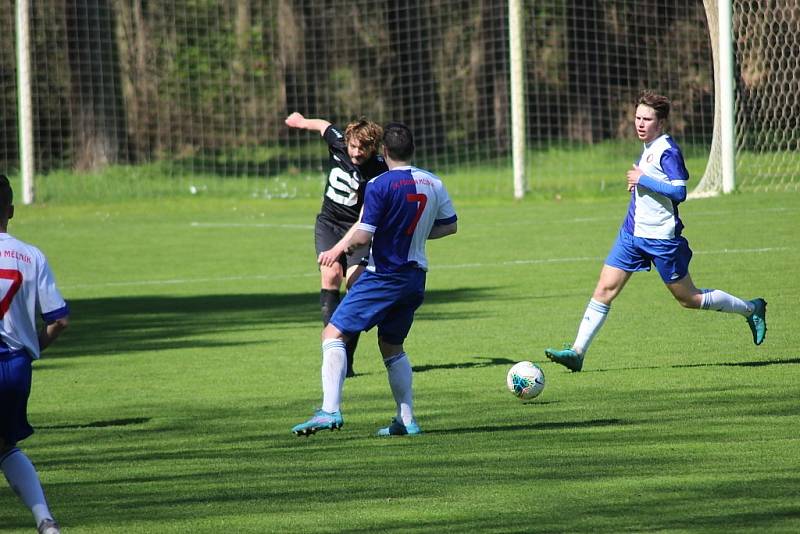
766,54
135,98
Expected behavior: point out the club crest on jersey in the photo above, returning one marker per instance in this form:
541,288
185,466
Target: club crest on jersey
649,158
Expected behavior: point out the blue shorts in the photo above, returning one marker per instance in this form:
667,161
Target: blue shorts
15,388
388,300
670,256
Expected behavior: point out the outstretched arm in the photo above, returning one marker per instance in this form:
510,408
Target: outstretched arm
296,120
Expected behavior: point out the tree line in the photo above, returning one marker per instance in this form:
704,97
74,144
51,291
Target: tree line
131,81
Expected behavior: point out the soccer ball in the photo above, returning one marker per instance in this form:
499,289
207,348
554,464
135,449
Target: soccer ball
525,380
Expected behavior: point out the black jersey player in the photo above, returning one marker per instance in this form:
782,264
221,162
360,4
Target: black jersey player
354,161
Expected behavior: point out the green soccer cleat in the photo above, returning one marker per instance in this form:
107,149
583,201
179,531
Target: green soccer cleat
567,357
321,420
397,428
758,320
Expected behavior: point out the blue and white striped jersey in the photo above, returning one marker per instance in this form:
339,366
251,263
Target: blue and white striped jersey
401,207
650,214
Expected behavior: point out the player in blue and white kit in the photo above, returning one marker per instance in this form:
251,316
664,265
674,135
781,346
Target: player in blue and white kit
403,208
652,234
27,289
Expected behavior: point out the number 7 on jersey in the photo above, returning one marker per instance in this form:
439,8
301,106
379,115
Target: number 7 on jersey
421,200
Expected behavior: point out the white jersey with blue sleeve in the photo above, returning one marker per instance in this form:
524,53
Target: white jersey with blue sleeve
27,289
401,207
653,214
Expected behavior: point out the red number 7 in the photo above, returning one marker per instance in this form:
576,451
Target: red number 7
422,199
16,281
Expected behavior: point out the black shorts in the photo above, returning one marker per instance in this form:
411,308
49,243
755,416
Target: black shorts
327,233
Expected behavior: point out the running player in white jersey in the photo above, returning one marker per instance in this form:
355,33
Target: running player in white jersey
27,290
651,234
403,208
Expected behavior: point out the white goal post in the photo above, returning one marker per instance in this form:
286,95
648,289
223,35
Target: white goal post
24,100
756,142
720,173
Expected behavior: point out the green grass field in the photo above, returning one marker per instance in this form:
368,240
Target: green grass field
194,348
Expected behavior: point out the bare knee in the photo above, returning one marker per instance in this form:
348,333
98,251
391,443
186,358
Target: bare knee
331,277
329,331
610,283
605,293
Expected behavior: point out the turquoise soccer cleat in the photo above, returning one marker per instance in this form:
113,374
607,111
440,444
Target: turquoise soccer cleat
567,357
758,320
321,420
397,428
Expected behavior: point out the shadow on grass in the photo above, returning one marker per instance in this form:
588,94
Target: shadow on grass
202,466
758,363
114,325
99,424
488,362
755,363
592,423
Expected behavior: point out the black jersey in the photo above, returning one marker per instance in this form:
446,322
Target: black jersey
344,190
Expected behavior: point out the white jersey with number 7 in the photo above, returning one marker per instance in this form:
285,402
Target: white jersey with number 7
27,290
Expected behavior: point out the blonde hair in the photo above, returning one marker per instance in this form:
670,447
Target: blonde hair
367,133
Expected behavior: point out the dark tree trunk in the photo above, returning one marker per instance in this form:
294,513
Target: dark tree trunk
98,125
412,84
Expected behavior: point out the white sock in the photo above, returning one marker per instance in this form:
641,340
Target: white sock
716,300
593,318
24,480
398,369
334,367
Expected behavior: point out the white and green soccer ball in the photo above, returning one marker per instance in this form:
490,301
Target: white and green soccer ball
525,380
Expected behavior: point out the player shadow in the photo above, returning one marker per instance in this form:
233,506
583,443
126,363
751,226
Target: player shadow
754,363
553,425
99,424
115,325
488,362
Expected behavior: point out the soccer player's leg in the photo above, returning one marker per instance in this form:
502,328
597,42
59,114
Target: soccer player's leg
673,266
356,263
400,376
360,310
329,416
15,382
326,235
328,302
623,259
392,331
